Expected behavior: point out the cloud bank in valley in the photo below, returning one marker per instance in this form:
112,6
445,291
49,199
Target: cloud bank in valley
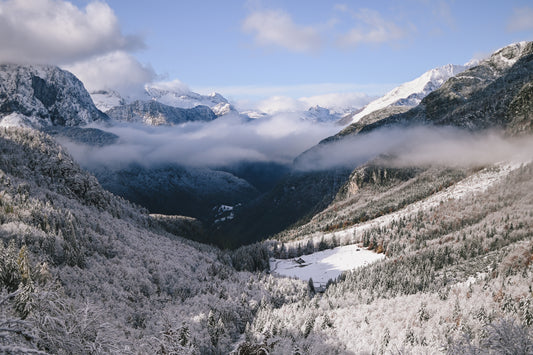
418,146
223,142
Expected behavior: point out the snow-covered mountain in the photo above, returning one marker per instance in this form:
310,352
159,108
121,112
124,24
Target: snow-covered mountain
44,95
167,95
107,99
154,113
411,93
183,98
320,114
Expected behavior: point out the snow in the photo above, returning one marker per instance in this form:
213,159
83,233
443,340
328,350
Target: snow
474,184
224,208
106,100
186,99
18,120
413,91
325,265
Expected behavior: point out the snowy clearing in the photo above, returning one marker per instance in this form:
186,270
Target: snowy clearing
324,265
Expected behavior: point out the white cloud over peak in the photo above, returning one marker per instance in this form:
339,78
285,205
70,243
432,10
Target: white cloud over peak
173,85
57,32
335,102
277,28
338,101
117,70
372,28
521,19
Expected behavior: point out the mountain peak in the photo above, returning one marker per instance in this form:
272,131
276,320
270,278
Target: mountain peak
507,56
47,95
411,93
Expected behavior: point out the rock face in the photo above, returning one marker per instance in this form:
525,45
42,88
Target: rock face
155,113
46,95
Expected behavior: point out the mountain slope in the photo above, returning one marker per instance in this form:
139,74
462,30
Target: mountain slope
411,93
164,94
485,96
154,113
99,275
480,97
43,96
174,189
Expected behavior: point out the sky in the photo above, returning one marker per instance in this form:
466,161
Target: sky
253,49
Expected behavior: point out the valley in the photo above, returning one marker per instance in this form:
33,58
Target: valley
168,225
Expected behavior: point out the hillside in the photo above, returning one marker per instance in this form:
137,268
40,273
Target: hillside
409,94
83,271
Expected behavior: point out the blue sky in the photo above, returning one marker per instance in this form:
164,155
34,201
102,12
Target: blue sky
294,48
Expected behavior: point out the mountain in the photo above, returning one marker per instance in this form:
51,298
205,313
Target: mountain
409,94
162,105
40,96
83,271
154,113
183,98
172,189
105,100
319,114
164,95
492,95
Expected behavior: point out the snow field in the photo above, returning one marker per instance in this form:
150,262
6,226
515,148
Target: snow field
324,265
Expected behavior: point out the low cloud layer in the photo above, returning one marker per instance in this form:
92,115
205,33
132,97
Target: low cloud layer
336,102
222,142
419,146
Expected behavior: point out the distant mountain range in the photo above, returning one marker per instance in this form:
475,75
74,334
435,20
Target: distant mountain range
162,106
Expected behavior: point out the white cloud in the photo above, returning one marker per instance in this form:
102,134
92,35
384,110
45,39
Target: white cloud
173,85
336,102
116,70
248,96
372,28
57,32
521,20
276,28
419,146
277,104
225,141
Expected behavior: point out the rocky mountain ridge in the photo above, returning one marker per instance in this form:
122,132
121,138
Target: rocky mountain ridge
409,94
43,95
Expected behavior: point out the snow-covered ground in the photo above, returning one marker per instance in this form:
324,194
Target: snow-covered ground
476,183
329,264
324,265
